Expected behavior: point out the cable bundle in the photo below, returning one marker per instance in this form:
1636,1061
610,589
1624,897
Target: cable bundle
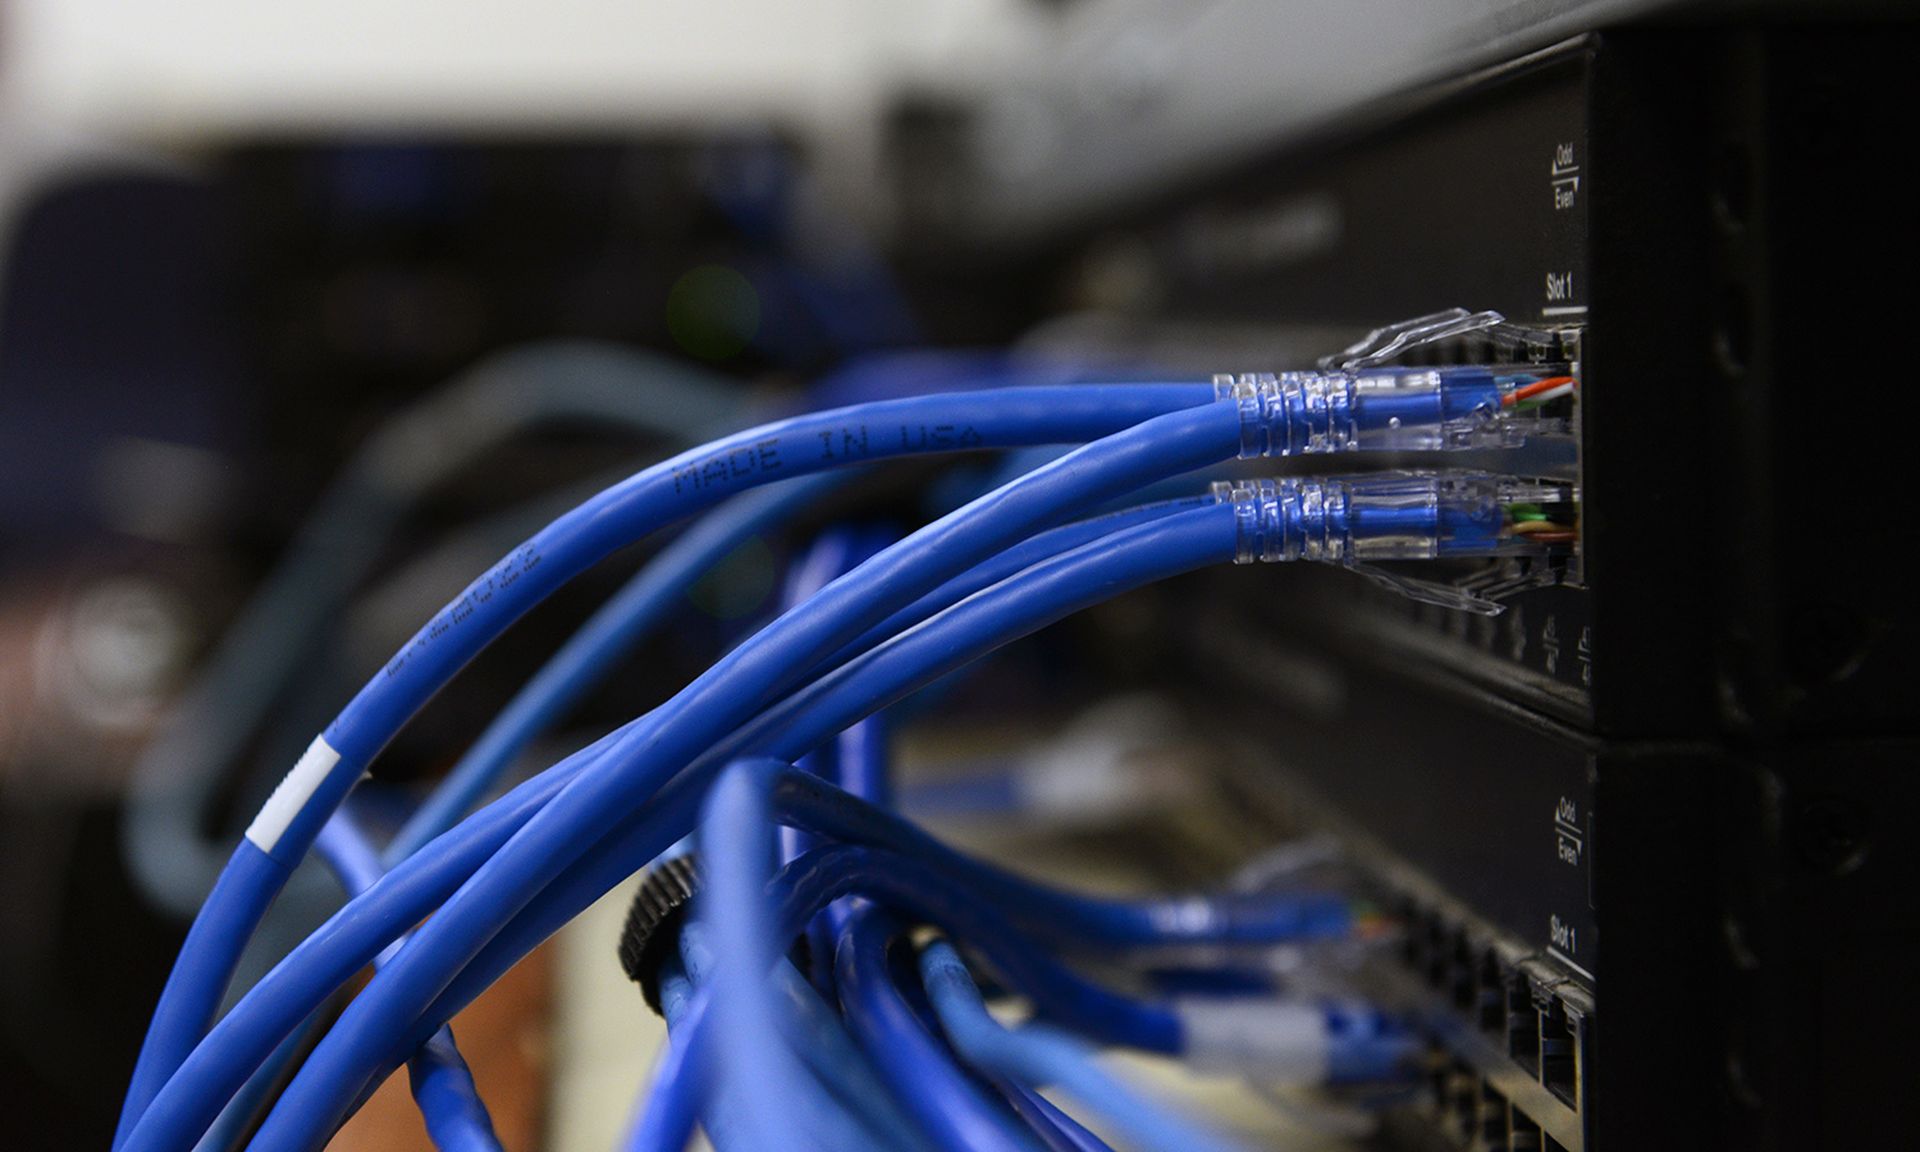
457,899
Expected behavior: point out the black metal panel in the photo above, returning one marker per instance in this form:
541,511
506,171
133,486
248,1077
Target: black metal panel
1720,704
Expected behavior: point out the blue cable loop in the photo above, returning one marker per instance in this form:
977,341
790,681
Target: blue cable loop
927,894
332,955
1070,582
1103,570
771,1095
679,732
678,1082
656,496
1145,553
947,1106
599,645
1037,1055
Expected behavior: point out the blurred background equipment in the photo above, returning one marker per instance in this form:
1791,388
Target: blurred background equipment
310,314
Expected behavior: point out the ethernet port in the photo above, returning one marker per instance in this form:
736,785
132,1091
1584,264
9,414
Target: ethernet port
1439,1079
1559,1069
1463,1099
1523,1135
1490,993
1438,951
1463,975
1523,1025
1413,942
1493,1125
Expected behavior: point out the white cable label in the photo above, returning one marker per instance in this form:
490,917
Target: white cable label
292,794
1279,1039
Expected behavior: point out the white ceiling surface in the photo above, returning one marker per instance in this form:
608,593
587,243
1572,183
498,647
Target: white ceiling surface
190,68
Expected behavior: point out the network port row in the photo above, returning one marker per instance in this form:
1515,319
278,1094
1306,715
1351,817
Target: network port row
1512,1050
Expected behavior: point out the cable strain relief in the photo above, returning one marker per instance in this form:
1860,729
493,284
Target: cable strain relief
1275,520
653,923
1256,397
1290,414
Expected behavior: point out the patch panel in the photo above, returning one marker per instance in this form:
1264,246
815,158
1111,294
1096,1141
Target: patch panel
1691,737
1510,1032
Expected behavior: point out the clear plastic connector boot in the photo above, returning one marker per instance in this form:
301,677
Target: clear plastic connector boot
1357,400
1357,521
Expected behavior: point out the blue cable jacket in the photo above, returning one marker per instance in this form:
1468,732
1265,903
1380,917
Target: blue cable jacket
857,758
442,1084
699,478
728,694
599,645
195,988
1035,1055
1087,575
679,1077
1016,558
656,496
275,1007
669,1109
1062,1132
947,1107
331,956
1108,567
1069,919
836,552
911,886
776,1102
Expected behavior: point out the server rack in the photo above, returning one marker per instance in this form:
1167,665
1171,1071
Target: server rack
1644,825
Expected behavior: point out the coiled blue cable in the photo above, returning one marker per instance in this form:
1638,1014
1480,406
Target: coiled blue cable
599,645
1206,534
676,734
1037,1056
328,959
947,1106
776,1102
656,496
932,896
331,956
672,1103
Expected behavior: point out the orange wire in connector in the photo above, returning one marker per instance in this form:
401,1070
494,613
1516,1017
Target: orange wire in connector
1533,389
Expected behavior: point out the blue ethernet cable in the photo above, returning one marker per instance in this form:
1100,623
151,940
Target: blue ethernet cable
598,646
777,1103
862,755
808,885
580,663
274,1008
678,732
1217,542
558,382
280,836
1012,560
671,1106
1388,516
947,1106
351,939
1106,583
930,895
821,1040
1036,1055
836,552
1061,1132
290,820
1069,920
442,1084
